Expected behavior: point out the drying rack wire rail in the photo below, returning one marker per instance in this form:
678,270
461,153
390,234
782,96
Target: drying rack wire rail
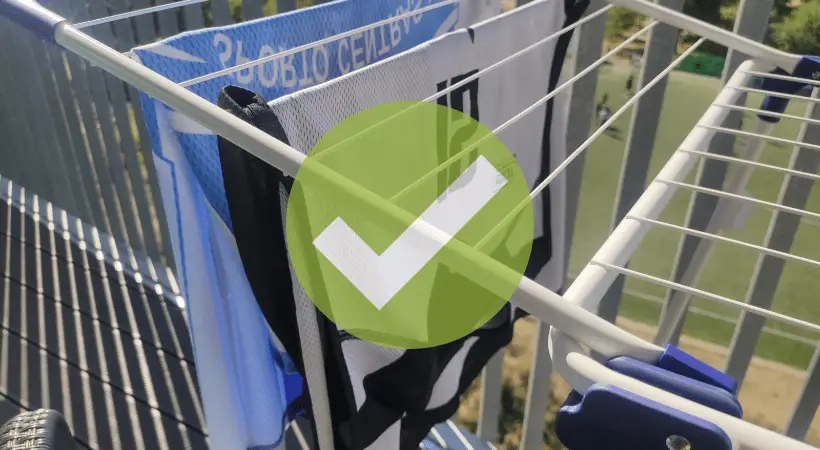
568,313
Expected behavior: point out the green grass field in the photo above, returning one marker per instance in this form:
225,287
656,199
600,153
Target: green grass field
729,268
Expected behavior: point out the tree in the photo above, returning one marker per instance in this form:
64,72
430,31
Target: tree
705,10
620,23
723,14
710,11
800,31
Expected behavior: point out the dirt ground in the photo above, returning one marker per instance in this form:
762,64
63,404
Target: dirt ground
768,393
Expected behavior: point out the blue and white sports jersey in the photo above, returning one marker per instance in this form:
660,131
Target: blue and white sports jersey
243,375
387,398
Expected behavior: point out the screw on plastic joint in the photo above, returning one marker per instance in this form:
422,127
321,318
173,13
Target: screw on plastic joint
675,442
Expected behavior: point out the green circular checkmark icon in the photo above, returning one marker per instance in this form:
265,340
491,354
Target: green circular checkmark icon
393,280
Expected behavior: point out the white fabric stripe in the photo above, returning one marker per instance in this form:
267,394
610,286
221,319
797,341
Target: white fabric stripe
460,435
446,387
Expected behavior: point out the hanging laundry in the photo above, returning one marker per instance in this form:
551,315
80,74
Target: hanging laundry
383,398
249,384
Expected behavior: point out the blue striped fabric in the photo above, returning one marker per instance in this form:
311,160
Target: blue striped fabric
449,436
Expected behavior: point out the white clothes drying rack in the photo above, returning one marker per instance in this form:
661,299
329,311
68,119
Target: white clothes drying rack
570,314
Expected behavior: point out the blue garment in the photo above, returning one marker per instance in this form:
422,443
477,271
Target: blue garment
243,376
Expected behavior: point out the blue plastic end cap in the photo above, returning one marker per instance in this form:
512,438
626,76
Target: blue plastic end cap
31,16
678,361
610,417
808,68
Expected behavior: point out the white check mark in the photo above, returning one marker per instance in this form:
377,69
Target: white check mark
380,277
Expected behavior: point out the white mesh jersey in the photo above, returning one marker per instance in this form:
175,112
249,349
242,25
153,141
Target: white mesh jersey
537,140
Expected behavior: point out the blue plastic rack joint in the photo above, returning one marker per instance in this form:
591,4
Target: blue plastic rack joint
808,69
609,417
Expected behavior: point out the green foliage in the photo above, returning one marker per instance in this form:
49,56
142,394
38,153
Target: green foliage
270,8
723,14
800,31
621,22
236,10
706,10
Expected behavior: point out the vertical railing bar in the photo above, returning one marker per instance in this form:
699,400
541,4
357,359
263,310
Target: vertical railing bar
251,9
14,135
125,36
34,144
76,127
286,5
538,391
193,17
581,112
168,25
115,99
74,189
640,142
752,22
95,155
52,155
588,44
780,235
163,239
490,409
107,158
807,403
221,12
146,33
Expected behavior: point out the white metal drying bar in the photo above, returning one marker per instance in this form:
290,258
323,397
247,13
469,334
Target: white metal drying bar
719,193
778,76
474,77
529,48
768,113
714,297
719,238
594,280
762,137
586,144
552,94
138,12
731,159
782,95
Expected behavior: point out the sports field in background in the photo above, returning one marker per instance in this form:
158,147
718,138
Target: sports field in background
729,268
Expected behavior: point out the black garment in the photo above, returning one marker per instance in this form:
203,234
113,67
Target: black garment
398,391
400,388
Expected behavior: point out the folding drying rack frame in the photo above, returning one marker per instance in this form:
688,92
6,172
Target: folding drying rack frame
573,323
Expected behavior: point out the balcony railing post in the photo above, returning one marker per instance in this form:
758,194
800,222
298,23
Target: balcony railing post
780,236
659,52
808,402
588,44
752,22
490,409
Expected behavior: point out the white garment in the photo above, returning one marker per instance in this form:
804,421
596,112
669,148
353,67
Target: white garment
502,93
